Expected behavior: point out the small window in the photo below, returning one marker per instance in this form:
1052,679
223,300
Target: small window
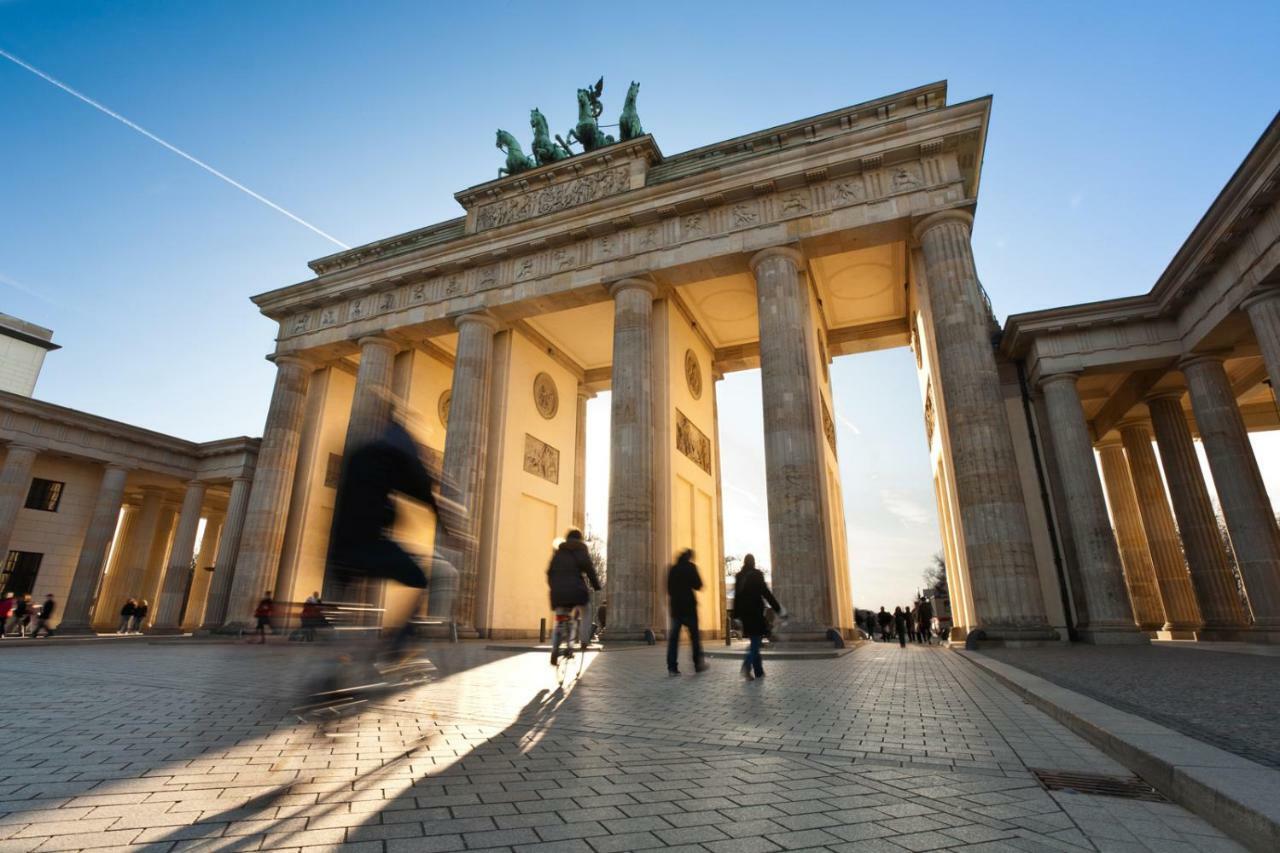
333,471
44,495
19,574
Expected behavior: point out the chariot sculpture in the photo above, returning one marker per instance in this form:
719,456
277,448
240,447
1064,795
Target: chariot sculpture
585,133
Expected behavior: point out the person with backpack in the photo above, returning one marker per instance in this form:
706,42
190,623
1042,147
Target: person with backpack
568,576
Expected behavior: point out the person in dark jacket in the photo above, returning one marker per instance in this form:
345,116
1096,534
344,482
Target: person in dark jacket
750,594
924,621
886,623
140,615
682,581
263,612
126,616
43,615
900,622
568,577
360,543
22,614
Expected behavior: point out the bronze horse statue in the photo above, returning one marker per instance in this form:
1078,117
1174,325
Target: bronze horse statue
517,160
587,130
629,122
545,149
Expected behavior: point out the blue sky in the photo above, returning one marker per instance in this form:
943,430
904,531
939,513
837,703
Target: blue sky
1114,126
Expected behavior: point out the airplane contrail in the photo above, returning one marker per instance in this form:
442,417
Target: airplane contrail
149,135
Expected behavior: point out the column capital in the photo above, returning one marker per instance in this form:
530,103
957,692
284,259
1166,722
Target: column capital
1135,423
377,340
116,466
242,478
1191,359
644,284
194,483
1174,394
479,318
1048,379
1260,295
586,393
791,253
21,447
962,217
291,360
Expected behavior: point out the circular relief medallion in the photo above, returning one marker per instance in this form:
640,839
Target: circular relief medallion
545,396
693,374
442,407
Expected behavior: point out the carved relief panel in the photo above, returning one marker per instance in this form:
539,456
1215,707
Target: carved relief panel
541,459
692,442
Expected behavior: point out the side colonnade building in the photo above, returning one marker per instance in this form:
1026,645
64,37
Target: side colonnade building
95,512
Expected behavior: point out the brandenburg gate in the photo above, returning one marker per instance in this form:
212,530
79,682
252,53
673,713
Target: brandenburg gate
652,276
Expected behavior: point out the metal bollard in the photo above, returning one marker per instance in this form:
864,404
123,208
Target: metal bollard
728,626
542,630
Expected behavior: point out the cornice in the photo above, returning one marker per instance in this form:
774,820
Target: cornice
871,147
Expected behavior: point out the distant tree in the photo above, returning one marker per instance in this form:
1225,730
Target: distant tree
598,551
935,576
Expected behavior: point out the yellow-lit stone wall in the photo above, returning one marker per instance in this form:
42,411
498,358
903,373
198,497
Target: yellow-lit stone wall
693,507
525,512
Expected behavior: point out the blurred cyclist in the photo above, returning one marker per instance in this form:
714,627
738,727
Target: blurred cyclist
570,571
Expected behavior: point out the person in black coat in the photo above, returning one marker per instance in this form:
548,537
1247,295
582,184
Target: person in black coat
900,622
568,576
43,614
750,594
126,616
886,622
682,581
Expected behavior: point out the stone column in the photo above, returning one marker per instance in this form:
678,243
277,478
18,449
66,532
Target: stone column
215,608
1245,504
1139,571
259,553
466,445
803,568
371,404
1177,596
199,592
580,461
1004,579
1263,309
173,588
1223,613
137,553
15,482
1105,615
631,459
93,552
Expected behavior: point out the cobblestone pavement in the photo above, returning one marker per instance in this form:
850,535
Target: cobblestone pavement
1228,700
172,747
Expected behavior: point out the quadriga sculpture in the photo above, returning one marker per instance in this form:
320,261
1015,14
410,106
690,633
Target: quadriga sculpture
517,160
629,122
587,132
545,149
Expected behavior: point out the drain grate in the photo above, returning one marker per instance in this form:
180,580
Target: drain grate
1129,787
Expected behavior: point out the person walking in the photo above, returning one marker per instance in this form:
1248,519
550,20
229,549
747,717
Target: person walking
312,617
22,614
263,612
126,616
6,610
924,621
43,614
900,625
682,581
886,622
139,616
751,593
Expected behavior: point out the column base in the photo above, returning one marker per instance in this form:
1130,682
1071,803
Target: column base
1268,635
165,631
1009,636
84,629
1176,634
627,635
1113,636
1222,633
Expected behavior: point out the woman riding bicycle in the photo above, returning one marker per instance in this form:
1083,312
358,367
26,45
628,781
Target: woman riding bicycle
568,575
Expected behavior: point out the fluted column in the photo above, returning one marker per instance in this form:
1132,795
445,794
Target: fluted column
201,580
1003,576
93,552
1263,309
215,608
1139,572
1105,615
631,458
173,588
803,566
259,554
137,547
15,482
580,461
1177,596
371,404
1241,492
1220,607
466,446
